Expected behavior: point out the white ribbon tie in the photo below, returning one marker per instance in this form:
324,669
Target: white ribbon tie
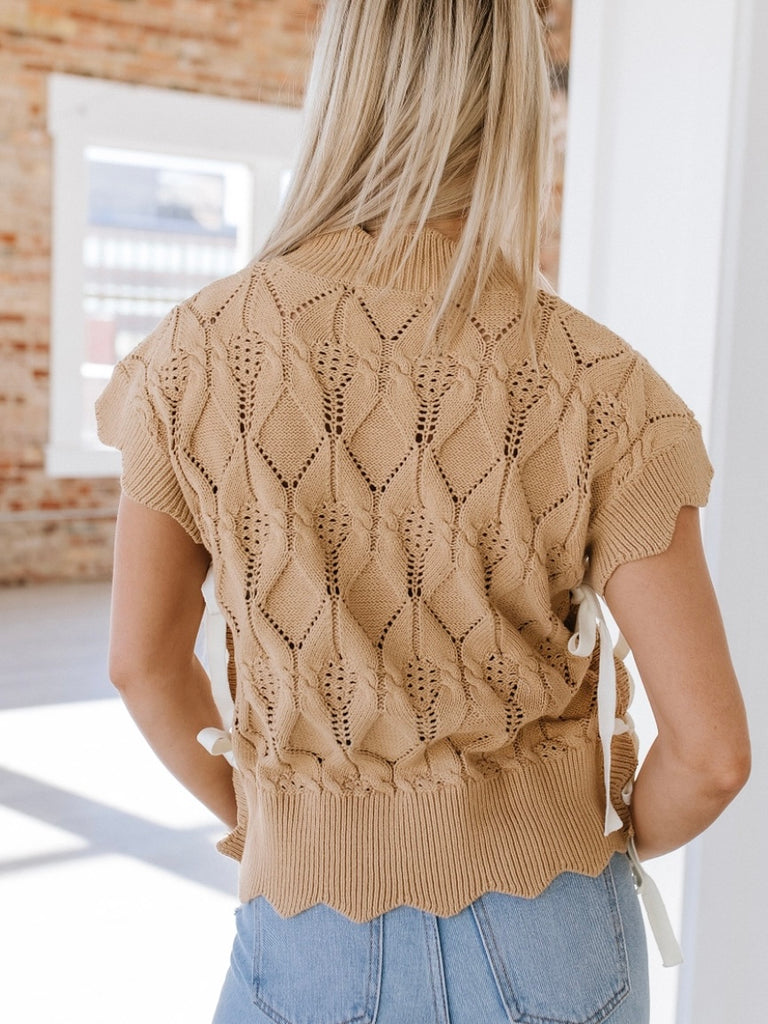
217,741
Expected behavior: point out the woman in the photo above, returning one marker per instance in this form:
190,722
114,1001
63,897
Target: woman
410,471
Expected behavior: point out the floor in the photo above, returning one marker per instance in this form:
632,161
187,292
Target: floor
115,907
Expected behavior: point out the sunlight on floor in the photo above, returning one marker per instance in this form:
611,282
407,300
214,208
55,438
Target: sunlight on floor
117,937
116,907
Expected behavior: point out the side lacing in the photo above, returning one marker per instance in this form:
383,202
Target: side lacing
215,740
591,622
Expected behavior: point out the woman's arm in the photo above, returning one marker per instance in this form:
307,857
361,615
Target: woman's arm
666,608
157,607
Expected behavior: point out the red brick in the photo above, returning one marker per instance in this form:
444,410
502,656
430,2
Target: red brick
247,49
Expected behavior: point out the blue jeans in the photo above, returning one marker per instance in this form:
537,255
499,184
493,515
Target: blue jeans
573,955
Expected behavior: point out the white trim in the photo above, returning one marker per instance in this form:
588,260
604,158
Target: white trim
85,112
76,462
115,114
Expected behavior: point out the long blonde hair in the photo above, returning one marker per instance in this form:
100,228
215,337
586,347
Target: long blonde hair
425,109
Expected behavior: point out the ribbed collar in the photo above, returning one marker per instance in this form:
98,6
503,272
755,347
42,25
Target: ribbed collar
344,255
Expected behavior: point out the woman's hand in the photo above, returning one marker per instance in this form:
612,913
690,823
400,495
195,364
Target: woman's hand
666,608
157,607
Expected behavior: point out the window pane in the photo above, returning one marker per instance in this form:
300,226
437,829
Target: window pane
159,228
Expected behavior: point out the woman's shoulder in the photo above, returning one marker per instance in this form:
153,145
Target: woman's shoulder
224,298
606,364
590,343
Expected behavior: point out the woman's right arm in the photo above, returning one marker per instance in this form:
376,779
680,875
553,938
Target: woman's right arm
157,606
666,608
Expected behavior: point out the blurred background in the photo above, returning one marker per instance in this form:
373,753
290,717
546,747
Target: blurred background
144,147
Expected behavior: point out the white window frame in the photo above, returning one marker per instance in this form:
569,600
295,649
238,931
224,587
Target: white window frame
84,112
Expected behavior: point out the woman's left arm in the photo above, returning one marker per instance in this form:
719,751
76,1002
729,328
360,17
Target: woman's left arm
157,607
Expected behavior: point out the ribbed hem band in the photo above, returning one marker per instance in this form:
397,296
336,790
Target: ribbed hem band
437,849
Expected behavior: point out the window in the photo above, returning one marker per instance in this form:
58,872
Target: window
156,193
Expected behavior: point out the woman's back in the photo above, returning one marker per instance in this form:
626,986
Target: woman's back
395,530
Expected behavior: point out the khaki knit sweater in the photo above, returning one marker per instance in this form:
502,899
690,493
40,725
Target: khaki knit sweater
395,532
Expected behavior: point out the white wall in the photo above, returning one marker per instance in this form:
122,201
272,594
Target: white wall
665,231
645,177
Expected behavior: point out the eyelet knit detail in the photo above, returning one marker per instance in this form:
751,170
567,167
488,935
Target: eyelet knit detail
395,534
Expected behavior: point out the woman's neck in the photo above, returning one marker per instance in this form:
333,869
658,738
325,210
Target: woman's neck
451,227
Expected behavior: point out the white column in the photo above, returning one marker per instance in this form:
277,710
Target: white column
665,239
726,894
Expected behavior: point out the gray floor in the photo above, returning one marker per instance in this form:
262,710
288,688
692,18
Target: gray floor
103,857
54,644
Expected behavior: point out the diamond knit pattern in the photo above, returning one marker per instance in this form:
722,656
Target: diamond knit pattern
395,529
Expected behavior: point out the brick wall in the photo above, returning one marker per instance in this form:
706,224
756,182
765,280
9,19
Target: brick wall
249,49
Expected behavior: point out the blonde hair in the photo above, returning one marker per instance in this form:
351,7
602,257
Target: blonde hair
425,109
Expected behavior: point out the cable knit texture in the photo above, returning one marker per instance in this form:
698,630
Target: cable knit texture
395,529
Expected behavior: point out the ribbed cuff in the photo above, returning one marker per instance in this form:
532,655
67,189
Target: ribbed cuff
148,476
640,520
149,480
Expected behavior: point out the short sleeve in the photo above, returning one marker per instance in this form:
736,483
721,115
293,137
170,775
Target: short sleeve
137,413
649,460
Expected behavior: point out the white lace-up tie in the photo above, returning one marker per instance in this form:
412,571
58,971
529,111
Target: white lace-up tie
590,622
217,741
